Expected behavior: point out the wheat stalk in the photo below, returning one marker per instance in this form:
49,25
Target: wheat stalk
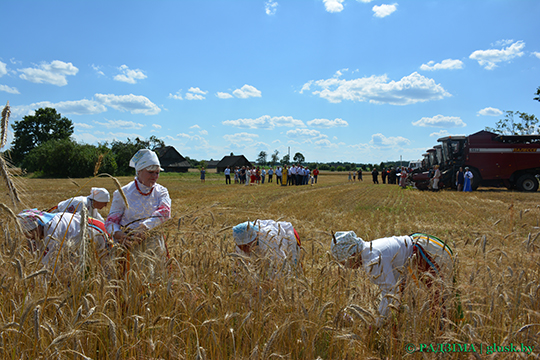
4,125
118,187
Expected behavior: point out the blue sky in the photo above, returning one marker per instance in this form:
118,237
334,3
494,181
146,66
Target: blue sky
337,80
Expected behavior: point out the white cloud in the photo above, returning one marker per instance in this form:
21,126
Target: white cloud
156,126
196,90
203,132
448,64
365,1
177,96
381,141
333,6
129,76
270,7
439,134
490,58
265,122
489,111
135,104
97,69
384,10
440,121
195,127
537,54
54,73
191,96
83,126
240,138
325,123
246,91
224,95
376,89
10,90
305,134
3,69
77,107
120,124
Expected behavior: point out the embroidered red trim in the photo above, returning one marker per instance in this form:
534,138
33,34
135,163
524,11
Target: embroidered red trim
140,192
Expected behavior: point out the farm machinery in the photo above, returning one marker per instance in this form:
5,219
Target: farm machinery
495,160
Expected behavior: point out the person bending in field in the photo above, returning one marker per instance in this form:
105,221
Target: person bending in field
387,260
97,200
49,233
278,241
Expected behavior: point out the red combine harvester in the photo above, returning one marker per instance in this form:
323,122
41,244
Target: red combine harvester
496,160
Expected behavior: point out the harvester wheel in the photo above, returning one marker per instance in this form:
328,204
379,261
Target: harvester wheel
527,182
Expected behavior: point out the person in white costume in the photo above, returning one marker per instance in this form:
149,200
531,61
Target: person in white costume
387,260
97,200
49,232
149,205
277,240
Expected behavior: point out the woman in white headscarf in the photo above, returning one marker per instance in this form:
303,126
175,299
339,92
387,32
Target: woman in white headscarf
149,205
386,260
97,200
278,241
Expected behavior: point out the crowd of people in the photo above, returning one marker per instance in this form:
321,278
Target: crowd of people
284,175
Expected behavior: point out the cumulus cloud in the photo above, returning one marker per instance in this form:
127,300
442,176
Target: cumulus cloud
177,96
333,6
305,134
439,134
448,64
194,93
383,10
537,54
491,57
381,141
156,126
224,95
489,111
135,104
52,73
3,69
265,122
377,89
121,124
440,121
129,76
270,7
246,91
77,107
240,138
10,90
325,123
83,126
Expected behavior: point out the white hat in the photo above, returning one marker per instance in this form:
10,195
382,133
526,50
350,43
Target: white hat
144,158
245,233
99,194
345,245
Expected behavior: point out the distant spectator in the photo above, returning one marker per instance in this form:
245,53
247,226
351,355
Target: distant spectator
384,173
460,179
278,176
263,174
227,173
203,174
360,175
270,174
375,175
436,178
467,187
315,174
350,176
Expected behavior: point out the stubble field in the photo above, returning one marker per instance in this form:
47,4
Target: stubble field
213,305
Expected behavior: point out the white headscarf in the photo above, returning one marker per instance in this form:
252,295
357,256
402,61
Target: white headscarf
143,159
245,233
99,194
346,244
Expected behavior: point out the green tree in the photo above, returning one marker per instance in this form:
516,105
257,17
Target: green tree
33,130
261,159
66,158
299,158
537,98
275,157
285,160
527,125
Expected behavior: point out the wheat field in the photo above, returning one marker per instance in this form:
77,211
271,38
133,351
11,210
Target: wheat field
213,305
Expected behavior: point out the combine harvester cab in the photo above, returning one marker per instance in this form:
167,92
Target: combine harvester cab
495,160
